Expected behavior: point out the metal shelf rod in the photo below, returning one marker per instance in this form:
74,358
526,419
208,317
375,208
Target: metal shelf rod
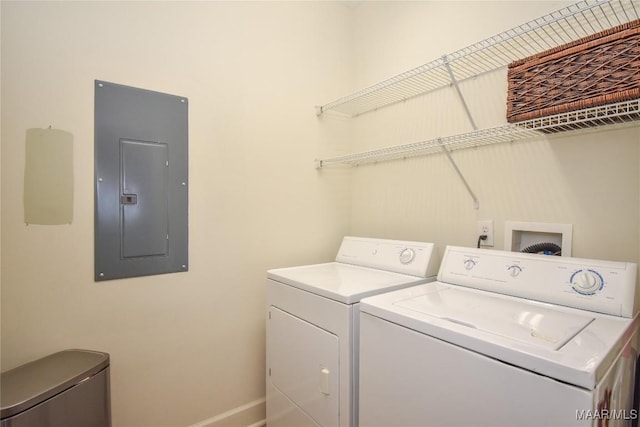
606,115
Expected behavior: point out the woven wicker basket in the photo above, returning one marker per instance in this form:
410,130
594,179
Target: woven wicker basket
600,69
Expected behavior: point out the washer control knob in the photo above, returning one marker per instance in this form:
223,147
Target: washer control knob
514,270
469,264
586,282
407,255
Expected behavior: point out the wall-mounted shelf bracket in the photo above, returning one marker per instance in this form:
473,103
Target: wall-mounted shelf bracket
454,83
476,203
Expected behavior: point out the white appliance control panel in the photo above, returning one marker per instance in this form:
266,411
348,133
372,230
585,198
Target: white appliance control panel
406,257
601,286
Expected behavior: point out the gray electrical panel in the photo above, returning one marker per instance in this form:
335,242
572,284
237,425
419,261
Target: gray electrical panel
141,182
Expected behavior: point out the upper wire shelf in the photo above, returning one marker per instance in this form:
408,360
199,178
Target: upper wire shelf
611,114
576,21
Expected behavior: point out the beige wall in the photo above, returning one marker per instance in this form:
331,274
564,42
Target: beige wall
188,347
184,347
588,180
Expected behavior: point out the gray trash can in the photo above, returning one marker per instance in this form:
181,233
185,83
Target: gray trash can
65,389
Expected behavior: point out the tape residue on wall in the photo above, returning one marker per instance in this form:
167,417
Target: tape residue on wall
48,177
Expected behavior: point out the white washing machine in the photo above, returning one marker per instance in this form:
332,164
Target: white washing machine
504,339
312,327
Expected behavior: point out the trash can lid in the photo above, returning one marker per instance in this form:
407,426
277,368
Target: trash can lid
34,382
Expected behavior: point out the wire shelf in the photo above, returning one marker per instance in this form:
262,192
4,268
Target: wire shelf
588,118
557,28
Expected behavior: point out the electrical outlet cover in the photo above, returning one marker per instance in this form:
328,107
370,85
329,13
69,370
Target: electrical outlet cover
486,228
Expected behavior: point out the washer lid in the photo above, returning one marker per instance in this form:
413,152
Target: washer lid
535,325
571,345
345,283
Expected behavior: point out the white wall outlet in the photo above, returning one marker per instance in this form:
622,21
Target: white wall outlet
486,228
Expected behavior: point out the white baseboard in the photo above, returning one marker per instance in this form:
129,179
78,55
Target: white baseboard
250,414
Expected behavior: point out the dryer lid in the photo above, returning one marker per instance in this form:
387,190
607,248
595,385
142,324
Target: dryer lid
345,283
536,325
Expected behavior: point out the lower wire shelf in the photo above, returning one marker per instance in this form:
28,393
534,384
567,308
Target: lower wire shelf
588,118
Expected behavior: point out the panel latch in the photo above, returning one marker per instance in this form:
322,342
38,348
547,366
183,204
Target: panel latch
129,199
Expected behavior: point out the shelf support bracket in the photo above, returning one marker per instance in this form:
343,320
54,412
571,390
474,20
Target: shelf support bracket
454,82
476,203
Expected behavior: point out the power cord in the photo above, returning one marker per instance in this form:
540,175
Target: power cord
481,238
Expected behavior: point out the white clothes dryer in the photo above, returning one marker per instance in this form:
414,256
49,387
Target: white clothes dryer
504,339
312,327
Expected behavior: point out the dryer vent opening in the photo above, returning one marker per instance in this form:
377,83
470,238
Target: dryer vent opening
546,248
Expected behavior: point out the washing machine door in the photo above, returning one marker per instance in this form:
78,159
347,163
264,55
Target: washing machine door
303,365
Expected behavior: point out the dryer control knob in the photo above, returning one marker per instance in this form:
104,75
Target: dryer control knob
514,270
469,264
586,282
407,255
